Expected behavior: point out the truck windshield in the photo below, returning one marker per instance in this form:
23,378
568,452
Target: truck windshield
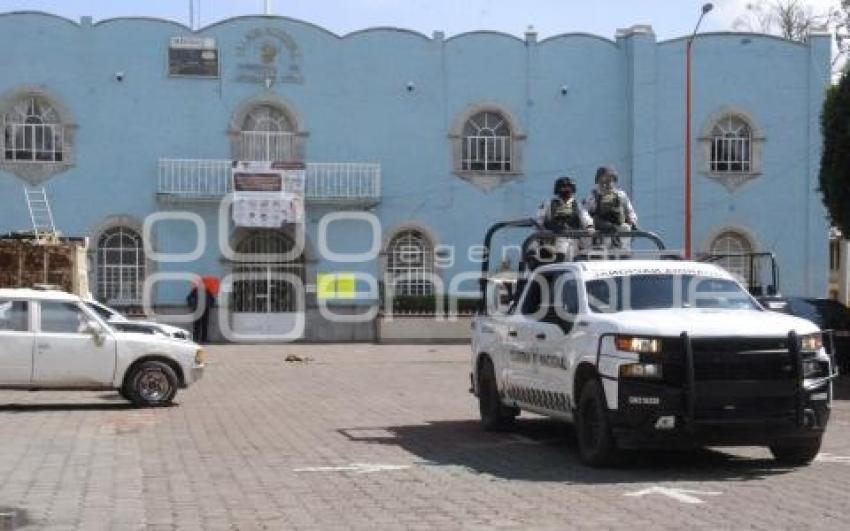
657,292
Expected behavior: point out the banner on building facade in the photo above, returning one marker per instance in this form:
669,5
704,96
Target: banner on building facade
268,194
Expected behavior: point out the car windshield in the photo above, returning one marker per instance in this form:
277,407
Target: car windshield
129,326
105,313
657,292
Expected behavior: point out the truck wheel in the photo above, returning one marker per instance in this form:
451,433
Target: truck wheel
495,416
151,384
796,453
596,444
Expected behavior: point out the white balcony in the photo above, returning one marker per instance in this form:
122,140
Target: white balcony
209,180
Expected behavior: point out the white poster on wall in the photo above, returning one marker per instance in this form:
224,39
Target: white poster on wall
268,194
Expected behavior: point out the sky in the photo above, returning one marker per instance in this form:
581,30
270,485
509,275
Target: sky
669,18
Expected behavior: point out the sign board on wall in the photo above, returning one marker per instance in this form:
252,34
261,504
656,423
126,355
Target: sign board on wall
268,194
192,56
336,286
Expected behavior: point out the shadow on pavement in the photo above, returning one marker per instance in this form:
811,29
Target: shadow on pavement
545,450
112,402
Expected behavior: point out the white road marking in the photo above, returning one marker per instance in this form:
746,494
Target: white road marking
357,468
829,458
680,495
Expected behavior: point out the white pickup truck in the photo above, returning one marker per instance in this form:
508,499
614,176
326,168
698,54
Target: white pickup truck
658,353
54,340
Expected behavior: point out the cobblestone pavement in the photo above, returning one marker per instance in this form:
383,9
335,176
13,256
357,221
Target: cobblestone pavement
369,437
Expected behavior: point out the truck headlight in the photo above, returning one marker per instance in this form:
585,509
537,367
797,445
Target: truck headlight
200,356
641,345
811,342
640,370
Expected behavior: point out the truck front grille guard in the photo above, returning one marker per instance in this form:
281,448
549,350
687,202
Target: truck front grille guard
689,385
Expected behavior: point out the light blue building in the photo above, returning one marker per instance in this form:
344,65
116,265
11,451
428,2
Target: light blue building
436,137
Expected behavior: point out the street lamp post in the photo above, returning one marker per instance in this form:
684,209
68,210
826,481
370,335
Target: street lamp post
688,186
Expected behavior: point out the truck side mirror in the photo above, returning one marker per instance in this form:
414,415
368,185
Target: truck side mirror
94,330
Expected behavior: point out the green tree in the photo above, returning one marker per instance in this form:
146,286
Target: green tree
834,176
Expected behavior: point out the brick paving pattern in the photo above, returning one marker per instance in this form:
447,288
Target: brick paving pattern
265,444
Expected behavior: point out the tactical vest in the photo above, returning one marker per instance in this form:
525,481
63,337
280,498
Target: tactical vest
565,214
609,208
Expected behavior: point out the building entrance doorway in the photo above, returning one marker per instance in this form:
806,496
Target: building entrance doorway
268,294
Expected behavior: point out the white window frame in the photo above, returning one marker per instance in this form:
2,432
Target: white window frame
487,154
410,264
267,134
487,143
33,122
120,283
731,148
734,242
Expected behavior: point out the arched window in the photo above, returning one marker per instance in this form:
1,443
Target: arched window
731,146
120,266
267,134
487,143
33,131
410,264
736,245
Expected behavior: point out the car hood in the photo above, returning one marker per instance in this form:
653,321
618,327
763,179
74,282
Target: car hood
708,323
136,341
166,327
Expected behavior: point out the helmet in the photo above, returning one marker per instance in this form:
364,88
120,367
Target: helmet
564,182
605,170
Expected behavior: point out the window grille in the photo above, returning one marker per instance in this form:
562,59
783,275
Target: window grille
731,146
487,143
734,243
267,135
120,266
257,287
33,132
410,264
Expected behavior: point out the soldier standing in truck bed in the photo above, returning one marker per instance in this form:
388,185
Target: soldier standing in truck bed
609,206
562,212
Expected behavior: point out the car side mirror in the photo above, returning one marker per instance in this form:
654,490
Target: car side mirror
94,330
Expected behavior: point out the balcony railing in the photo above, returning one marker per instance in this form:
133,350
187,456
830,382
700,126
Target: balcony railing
204,180
342,181
194,178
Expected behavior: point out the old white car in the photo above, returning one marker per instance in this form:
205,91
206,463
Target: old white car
53,340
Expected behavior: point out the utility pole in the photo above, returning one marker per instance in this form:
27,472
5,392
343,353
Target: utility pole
268,7
688,185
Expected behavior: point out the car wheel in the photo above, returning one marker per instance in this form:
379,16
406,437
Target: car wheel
595,441
495,416
124,394
796,453
151,384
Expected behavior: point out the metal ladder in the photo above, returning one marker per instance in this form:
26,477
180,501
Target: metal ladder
40,213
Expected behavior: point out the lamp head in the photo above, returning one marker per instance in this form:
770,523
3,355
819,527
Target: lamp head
707,7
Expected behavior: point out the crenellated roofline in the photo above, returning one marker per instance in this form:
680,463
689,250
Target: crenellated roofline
378,29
